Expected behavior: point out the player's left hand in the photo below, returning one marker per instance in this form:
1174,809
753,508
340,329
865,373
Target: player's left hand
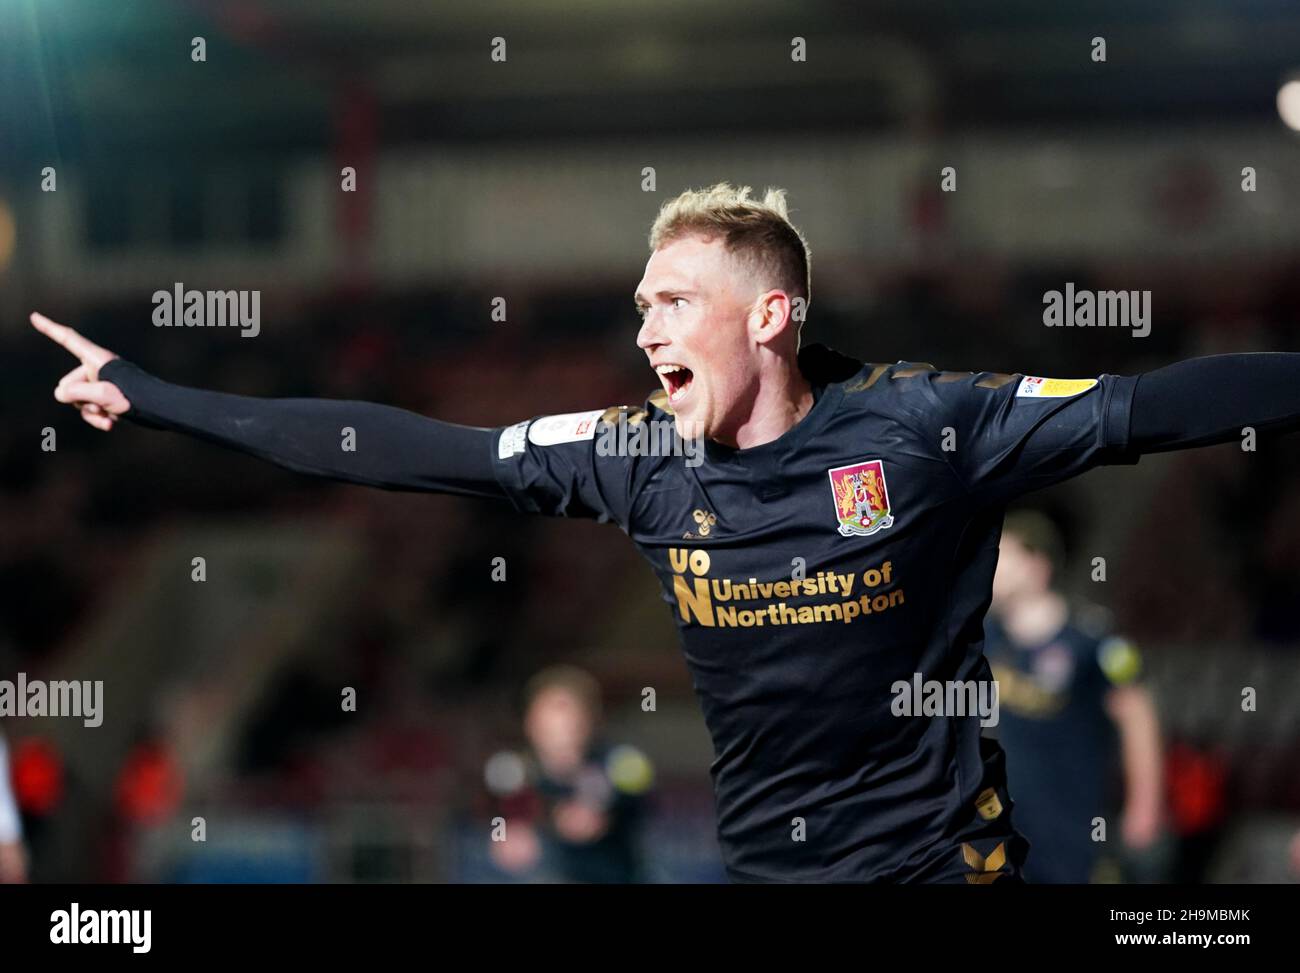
100,403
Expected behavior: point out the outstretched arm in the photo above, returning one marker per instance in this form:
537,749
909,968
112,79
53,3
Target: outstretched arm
1005,435
1209,400
390,448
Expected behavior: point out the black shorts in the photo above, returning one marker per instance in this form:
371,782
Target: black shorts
984,848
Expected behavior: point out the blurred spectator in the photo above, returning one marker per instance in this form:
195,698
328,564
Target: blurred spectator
574,803
13,856
1071,713
149,784
1198,806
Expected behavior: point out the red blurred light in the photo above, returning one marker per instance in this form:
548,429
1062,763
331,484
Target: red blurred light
37,776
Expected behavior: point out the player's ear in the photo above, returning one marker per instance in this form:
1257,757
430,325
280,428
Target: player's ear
770,316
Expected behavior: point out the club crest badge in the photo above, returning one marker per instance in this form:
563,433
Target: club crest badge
861,498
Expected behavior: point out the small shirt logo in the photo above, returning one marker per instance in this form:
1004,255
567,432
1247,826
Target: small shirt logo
572,427
1034,387
988,804
1053,667
705,522
984,869
861,498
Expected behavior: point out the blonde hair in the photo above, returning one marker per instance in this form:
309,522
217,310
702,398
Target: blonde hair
756,232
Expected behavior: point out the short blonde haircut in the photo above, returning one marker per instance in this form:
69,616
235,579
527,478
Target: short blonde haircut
756,232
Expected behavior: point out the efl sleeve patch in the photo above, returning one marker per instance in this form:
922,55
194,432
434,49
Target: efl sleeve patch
1052,388
1119,660
572,427
629,769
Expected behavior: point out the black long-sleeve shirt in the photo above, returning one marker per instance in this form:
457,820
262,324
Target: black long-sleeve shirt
810,577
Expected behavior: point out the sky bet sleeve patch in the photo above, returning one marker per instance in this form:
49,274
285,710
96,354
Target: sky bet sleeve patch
1052,388
1119,660
572,427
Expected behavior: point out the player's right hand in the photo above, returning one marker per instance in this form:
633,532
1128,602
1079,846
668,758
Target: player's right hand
100,403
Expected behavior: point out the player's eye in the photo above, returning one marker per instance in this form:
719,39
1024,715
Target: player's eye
677,306
642,310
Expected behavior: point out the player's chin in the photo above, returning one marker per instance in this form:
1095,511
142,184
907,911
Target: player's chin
689,427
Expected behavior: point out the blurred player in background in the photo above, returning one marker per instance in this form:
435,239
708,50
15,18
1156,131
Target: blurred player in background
1072,713
574,803
13,856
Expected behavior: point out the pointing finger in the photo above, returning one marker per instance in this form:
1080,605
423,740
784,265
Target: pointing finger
62,335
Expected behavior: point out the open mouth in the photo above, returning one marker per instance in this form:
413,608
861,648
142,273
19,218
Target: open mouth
676,378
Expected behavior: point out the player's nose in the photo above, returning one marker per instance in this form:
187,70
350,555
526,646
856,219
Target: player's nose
649,337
